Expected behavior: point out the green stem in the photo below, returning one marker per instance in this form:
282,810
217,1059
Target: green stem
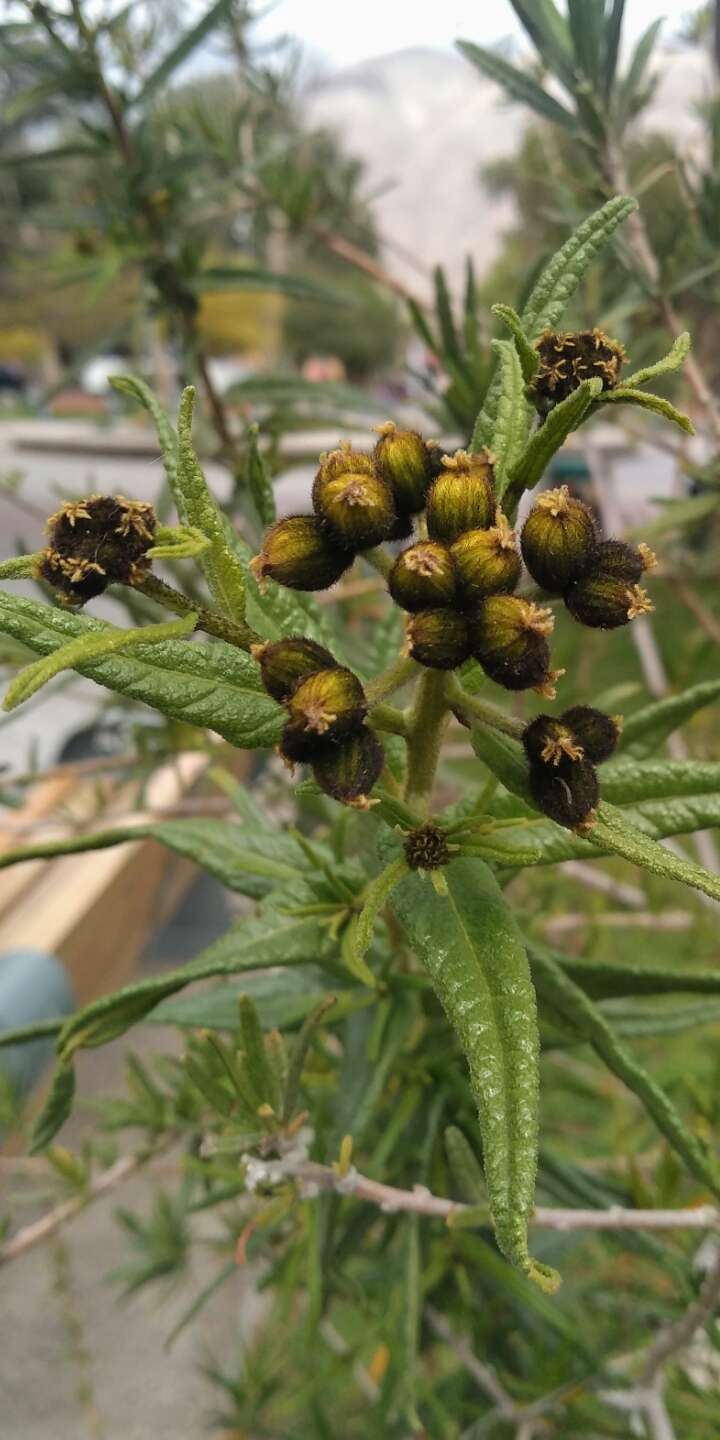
427,724
393,679
473,707
232,631
380,560
386,717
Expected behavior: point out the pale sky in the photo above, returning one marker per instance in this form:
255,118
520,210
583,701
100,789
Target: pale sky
345,31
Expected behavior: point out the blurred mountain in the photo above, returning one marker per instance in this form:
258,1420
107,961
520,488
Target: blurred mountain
424,122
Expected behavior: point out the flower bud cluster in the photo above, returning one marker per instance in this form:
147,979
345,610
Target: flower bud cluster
99,541
458,584
359,500
567,358
326,709
597,579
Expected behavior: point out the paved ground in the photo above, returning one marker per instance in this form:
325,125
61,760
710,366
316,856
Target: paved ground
76,1365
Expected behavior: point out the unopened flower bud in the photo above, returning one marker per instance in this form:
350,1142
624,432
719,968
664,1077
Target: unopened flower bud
426,848
354,500
567,358
462,497
558,539
300,553
347,771
596,732
283,663
548,741
509,638
439,639
423,576
625,562
330,703
407,464
568,792
605,602
99,541
487,561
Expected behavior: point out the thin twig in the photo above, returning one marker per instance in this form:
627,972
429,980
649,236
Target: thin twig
421,1201
678,1336
483,1375
40,1230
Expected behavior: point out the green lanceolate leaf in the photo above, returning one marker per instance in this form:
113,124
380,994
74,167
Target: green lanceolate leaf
137,389
624,395
609,982
247,860
532,463
465,1167
56,1109
21,567
215,686
674,360
628,781
612,832
576,1009
563,274
360,931
93,645
512,421
183,48
518,85
259,480
474,953
527,355
647,729
220,563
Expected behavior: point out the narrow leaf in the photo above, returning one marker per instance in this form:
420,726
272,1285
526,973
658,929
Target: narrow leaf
465,1167
622,395
20,567
602,981
528,356
259,479
613,832
94,645
220,564
512,422
647,729
56,1109
182,50
360,931
474,954
177,542
556,987
561,277
136,388
519,86
674,360
531,465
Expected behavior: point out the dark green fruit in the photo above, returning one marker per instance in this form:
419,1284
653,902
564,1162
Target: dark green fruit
347,771
439,639
300,553
99,541
487,561
558,539
423,576
596,732
407,464
568,792
509,639
462,497
284,662
329,703
605,602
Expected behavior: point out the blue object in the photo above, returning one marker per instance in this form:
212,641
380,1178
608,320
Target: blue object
33,986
